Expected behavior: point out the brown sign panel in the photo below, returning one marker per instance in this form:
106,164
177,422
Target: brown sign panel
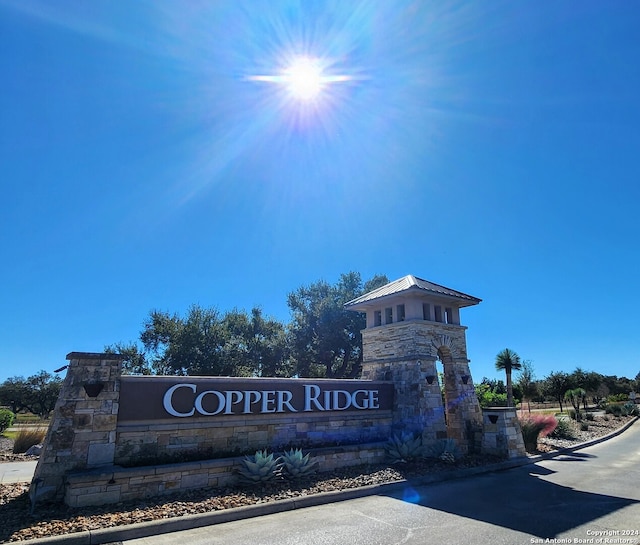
153,398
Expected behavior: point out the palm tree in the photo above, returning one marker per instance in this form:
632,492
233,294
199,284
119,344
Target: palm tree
576,396
507,360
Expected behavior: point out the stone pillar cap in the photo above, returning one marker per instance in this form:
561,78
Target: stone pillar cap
94,356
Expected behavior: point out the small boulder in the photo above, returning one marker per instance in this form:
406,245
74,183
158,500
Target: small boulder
34,450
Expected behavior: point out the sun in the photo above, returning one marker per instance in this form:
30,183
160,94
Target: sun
304,79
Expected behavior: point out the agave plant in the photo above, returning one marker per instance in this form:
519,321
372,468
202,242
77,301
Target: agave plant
445,449
259,468
295,465
404,448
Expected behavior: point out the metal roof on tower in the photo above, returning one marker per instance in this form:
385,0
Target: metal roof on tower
413,283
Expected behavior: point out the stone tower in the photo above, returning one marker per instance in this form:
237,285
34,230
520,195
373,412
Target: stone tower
412,323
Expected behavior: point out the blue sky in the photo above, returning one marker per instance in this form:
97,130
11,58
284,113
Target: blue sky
490,147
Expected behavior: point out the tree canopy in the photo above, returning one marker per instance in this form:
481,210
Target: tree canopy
526,382
321,340
37,394
206,342
325,338
555,385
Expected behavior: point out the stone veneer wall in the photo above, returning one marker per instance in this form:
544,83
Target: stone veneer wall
406,353
411,340
81,433
502,433
233,435
115,484
85,439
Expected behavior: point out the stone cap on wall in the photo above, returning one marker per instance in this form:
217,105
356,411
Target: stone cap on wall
94,356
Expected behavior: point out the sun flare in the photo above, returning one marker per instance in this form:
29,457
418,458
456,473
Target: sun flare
304,78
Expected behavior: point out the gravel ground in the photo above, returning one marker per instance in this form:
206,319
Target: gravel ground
48,520
5,444
602,425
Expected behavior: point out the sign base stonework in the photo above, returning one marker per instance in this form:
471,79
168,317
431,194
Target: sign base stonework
82,432
502,433
128,427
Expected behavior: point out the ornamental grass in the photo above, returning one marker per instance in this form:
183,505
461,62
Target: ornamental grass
535,426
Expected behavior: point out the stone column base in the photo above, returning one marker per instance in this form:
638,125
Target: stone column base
502,434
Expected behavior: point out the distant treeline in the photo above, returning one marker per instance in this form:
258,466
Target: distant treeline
555,385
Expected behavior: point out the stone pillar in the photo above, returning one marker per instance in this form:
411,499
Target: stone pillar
401,354
405,353
464,419
502,434
82,431
417,405
432,410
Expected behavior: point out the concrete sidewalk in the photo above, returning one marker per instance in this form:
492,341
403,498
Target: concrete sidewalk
17,472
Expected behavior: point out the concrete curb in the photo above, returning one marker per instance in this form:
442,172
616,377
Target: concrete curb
156,527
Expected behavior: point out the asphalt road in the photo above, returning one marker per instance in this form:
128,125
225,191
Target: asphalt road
590,495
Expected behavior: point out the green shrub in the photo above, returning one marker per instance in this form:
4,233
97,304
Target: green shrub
616,398
488,399
584,426
615,410
629,409
259,468
572,414
295,465
444,449
590,417
27,437
7,418
404,448
564,430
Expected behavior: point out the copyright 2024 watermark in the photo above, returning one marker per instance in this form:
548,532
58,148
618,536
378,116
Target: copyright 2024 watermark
596,537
